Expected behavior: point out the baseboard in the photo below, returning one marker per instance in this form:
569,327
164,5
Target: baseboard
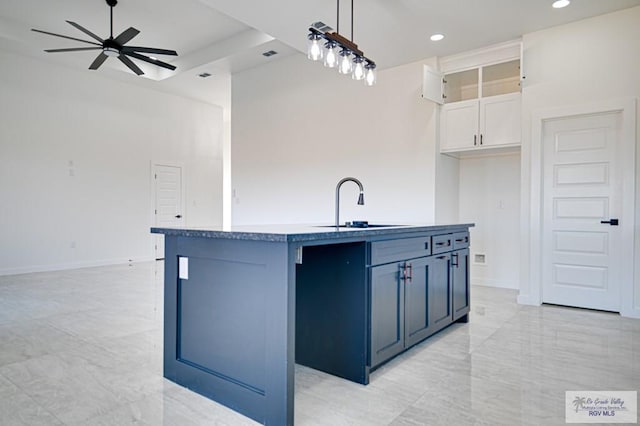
494,283
631,313
525,299
73,265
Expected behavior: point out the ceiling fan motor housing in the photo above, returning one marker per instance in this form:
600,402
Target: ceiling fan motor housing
111,44
112,3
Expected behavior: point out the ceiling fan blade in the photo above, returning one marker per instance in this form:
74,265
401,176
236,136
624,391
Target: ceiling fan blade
86,31
72,49
98,61
127,35
149,50
151,61
63,36
128,62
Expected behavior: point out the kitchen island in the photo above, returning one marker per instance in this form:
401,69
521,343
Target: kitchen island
242,306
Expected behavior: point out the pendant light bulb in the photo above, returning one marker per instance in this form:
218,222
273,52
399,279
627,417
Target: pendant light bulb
345,62
370,74
314,47
331,54
358,68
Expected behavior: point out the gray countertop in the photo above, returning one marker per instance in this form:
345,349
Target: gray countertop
302,233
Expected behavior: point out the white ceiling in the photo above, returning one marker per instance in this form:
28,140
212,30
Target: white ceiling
228,36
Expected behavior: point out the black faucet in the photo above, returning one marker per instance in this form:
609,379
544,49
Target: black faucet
360,197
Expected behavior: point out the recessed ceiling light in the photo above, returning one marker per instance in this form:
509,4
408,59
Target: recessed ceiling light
559,4
437,37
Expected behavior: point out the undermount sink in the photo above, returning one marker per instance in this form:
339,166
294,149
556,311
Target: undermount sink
359,225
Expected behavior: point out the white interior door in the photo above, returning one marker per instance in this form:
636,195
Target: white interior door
582,188
168,207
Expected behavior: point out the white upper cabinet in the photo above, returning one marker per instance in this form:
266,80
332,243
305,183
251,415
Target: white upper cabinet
500,121
459,126
480,97
432,85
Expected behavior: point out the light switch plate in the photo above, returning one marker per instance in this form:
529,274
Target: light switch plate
183,268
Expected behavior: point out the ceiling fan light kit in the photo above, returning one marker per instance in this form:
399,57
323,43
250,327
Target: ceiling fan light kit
114,47
339,52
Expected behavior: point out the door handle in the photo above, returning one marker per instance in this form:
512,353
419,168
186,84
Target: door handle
178,216
612,222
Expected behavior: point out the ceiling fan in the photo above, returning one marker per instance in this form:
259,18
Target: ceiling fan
115,47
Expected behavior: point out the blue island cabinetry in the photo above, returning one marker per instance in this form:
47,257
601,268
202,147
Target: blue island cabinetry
242,306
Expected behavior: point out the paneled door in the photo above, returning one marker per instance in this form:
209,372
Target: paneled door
582,203
168,205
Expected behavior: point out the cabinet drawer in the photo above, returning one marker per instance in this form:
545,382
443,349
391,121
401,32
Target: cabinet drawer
395,250
442,243
460,240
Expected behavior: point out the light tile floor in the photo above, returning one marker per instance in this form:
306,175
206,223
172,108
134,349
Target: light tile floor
84,347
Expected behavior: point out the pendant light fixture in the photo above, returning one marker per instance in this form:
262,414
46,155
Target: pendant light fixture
337,51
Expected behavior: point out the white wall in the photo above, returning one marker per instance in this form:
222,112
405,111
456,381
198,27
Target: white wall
490,197
298,128
57,121
580,63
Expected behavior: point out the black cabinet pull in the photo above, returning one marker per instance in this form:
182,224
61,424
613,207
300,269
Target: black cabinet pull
475,138
460,240
480,138
403,271
443,243
442,257
178,216
406,272
612,222
454,262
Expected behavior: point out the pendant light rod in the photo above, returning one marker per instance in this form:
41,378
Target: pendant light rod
338,17
351,20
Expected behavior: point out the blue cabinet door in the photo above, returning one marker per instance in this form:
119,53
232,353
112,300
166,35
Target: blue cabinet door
387,312
417,319
440,305
460,283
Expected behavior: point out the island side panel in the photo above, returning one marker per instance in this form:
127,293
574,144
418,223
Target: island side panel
332,310
229,325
